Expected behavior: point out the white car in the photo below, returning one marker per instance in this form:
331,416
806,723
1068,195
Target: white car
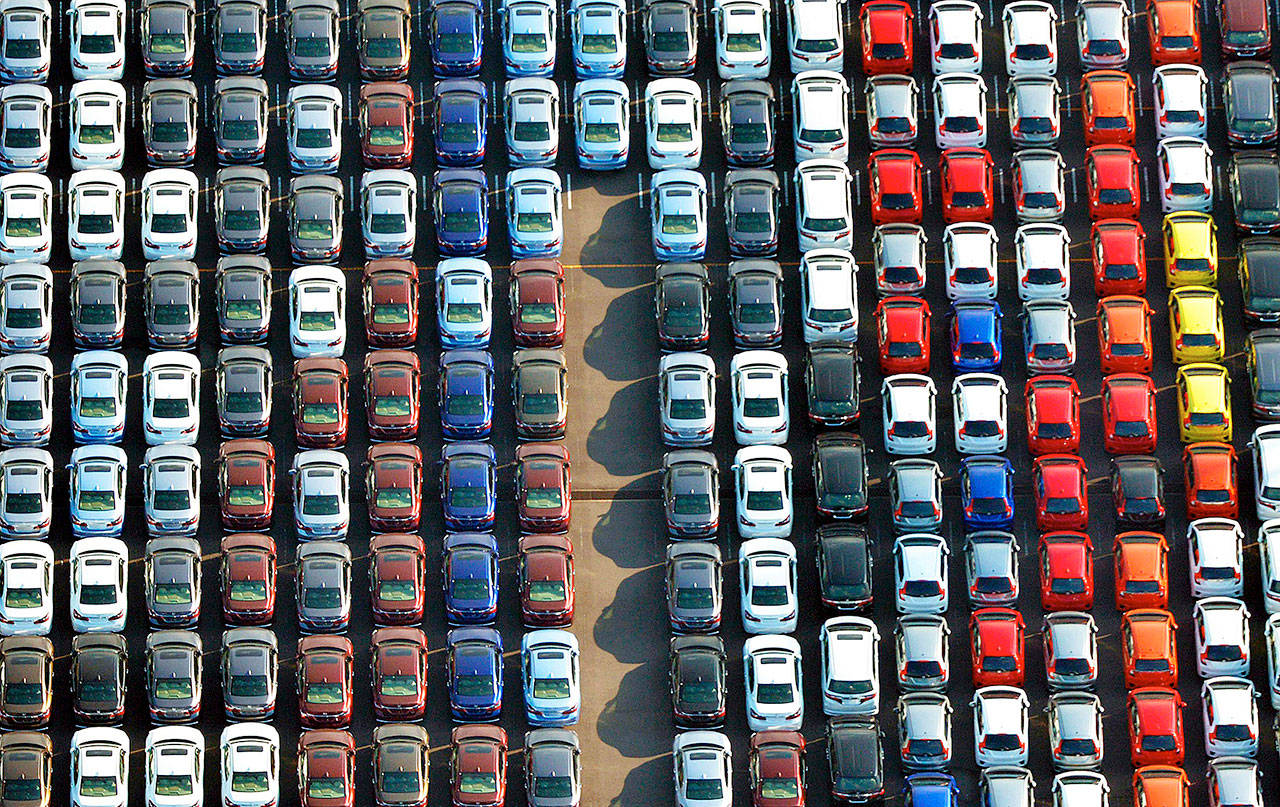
464,303
920,573
673,123
97,120
1035,110
598,33
924,731
850,666
687,398
528,37
99,389
1102,33
1039,185
99,767
1265,447
99,585
960,110
321,494
744,46
250,765
767,570
174,767
26,581
1075,730
25,117
824,209
955,37
1272,634
532,110
388,206
899,255
171,398
980,412
815,35
991,568
25,25
314,128
1070,650
702,763
26,493
893,110
1181,93
1001,718
1043,260
170,218
909,402
1222,637
1080,789
762,491
820,114
552,683
761,413
96,494
920,652
678,215
829,295
773,682
1234,782
171,490
26,308
602,123
1185,169
1269,564
26,217
95,215
1216,550
26,400
535,214
1030,38
1229,707
317,311
97,39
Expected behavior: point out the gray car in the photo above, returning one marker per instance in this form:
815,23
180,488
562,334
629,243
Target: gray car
552,768
243,294
400,763
1070,650
1007,786
169,121
691,493
1235,781
893,110
383,39
242,209
833,383
538,391
991,568
315,218
920,648
1249,104
168,37
751,202
97,303
1039,190
250,659
172,572
311,38
1262,357
244,391
898,252
1075,730
1049,336
171,294
755,302
240,36
1034,110
924,731
694,587
240,119
98,667
323,586
671,37
174,664
747,114
915,494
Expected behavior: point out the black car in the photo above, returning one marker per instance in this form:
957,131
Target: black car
844,566
171,292
249,666
99,663
691,493
97,303
169,121
747,122
840,475
1249,104
242,209
1254,179
751,202
168,37
682,302
855,757
311,39
1137,486
698,674
240,119
755,302
694,587
240,36
832,383
671,37
1262,357
1258,262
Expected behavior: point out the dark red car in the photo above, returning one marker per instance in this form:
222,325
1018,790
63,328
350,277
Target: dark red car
537,302
386,124
324,681
393,485
248,579
1118,253
544,491
1209,478
902,333
246,483
968,185
1245,27
777,768
1066,571
320,402
397,572
390,292
897,186
1058,484
888,38
546,581
997,646
1111,180
399,670
478,766
326,769
1053,414
392,388
1129,414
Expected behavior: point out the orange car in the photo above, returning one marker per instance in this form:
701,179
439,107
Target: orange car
1124,334
1149,648
1155,727
1108,100
1173,29
1209,471
1141,570
1161,786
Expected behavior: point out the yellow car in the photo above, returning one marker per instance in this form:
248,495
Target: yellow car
1195,324
1204,402
1190,249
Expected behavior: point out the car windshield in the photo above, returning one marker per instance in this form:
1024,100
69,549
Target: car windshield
169,689
320,505
173,785
18,503
460,221
317,138
248,590
533,222
465,496
23,598
761,407
16,227
529,42
962,124
394,498
756,313
171,408
540,403
311,47
674,132
477,783
775,693
95,224
240,130
171,314
323,414
830,315
825,225
387,223
96,135
326,787
543,498
392,406
770,595
742,43
250,782
879,51
97,43
169,132
469,588
399,782
599,43
700,691
249,686
841,687
999,663
553,787
601,133
752,222
314,230
316,321
691,504
679,224
474,686
1206,418
98,594
463,42
246,495
695,598
831,136
384,47
386,136
1224,652
168,43
703,790
172,594
687,409
98,787
243,403
551,688
547,591
530,131
322,597
764,500
324,693
21,138
538,313
464,313
399,686
169,223
748,133
233,42
23,318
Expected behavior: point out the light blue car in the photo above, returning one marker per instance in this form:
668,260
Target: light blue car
598,33
98,475
99,386
528,37
602,123
534,215
464,303
549,666
678,215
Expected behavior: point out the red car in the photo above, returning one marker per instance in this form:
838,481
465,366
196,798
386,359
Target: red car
777,769
386,124
1155,727
1209,476
888,39
1053,414
1173,29
968,185
1119,255
1066,571
997,645
1062,501
1128,414
324,681
1161,786
248,572
1149,648
1141,570
397,574
392,389
546,581
390,287
320,402
1245,27
1108,100
399,670
1124,334
393,485
537,302
902,332
1111,179
326,769
478,766
246,483
897,186
544,492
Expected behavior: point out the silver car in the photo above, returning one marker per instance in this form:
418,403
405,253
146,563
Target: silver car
920,648
323,586
531,108
172,581
915,494
96,490
26,308
1070,650
1035,110
991,568
389,204
242,288
249,662
898,251
1049,336
26,400
242,208
1102,33
170,121
602,123
694,587
924,731
1075,730
321,490
687,399
240,119
25,113
1039,189
243,388
171,489
315,218
1006,786
1234,782
314,128
703,769
893,110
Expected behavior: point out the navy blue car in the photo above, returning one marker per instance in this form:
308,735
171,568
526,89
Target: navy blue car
975,336
470,567
475,674
460,202
460,105
466,394
467,485
986,492
456,37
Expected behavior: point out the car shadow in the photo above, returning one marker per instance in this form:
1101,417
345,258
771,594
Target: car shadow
612,346
632,410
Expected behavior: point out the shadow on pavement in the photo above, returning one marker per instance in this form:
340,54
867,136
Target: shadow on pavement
613,347
610,243
633,410
648,783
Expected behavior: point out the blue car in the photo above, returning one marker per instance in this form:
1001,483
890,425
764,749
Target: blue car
986,492
461,206
470,567
975,336
460,105
475,674
467,485
466,394
456,37
931,790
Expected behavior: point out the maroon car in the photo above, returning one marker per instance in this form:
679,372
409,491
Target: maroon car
326,769
386,124
537,302
248,579
399,668
320,402
324,681
546,581
397,572
390,302
246,483
544,494
777,769
392,381
478,766
393,484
